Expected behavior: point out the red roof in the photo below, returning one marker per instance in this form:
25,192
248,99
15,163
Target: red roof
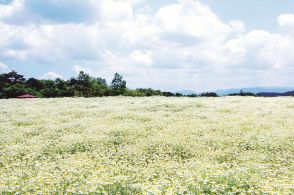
26,96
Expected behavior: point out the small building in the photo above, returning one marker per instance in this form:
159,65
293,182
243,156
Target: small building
26,96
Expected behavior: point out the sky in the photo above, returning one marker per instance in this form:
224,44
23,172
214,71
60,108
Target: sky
199,45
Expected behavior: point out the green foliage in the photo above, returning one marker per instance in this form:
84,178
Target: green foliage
241,93
208,94
192,95
13,85
12,78
168,94
133,93
149,92
34,84
13,90
84,84
118,85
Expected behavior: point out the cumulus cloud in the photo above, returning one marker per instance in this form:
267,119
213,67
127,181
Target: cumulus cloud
8,9
286,20
191,18
269,48
121,31
116,10
141,59
184,40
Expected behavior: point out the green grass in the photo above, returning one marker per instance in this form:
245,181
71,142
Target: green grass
154,145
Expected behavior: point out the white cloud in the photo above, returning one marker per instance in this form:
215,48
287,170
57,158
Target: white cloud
78,68
237,26
286,20
184,40
6,10
116,10
124,32
52,75
132,63
141,59
191,18
261,49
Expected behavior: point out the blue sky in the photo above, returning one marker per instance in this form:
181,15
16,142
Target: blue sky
166,44
256,14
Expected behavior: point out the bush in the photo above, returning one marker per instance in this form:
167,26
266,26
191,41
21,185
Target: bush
167,94
208,94
192,95
241,93
133,93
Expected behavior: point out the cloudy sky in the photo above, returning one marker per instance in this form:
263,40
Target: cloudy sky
166,44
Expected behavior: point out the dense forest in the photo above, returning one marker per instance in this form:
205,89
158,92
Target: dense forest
13,84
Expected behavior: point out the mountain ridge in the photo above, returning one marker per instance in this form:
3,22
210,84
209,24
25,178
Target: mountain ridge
256,90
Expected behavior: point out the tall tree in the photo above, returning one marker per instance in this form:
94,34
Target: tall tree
50,90
118,85
63,88
14,77
11,78
84,84
34,84
11,85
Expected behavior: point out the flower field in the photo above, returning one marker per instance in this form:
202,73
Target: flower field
150,145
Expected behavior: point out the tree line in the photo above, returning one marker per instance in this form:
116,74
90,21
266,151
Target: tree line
13,84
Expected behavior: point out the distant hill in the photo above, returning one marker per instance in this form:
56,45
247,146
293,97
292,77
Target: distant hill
263,91
271,94
255,90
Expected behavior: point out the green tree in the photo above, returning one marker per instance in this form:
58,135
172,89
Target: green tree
63,88
242,93
11,78
192,95
12,85
118,85
149,92
168,94
14,77
49,90
13,91
84,84
34,84
208,94
99,87
133,93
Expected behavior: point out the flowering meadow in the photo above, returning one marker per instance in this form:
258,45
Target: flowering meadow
149,145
